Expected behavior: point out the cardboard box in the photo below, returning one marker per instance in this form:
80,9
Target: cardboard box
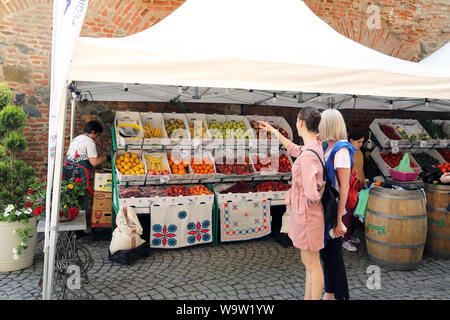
103,182
102,201
101,218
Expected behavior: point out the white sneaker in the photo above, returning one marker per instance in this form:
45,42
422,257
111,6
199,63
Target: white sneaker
348,245
355,240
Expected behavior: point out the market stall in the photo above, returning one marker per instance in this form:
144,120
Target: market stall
162,64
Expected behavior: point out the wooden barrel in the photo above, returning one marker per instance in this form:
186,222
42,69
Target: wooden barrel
438,237
396,227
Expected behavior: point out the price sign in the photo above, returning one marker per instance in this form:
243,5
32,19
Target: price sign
395,150
443,144
423,144
394,143
164,179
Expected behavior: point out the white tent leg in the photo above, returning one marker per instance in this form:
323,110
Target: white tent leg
56,195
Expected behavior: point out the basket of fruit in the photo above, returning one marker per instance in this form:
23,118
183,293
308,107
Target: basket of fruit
198,128
157,167
177,128
233,164
154,131
203,166
181,171
272,164
412,131
130,168
229,129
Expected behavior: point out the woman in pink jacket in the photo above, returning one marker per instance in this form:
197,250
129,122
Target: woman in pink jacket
306,227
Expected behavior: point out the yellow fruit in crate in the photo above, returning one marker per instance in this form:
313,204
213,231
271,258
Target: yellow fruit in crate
134,155
121,158
127,173
142,171
126,167
141,166
127,155
127,160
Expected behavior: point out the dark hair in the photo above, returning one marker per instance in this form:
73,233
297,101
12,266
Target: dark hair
312,118
93,126
355,135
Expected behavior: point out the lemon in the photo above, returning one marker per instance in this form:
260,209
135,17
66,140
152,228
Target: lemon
142,171
134,155
127,155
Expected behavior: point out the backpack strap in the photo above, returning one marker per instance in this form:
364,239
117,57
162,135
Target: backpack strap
321,162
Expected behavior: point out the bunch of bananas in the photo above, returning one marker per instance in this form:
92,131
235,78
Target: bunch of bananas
155,164
151,132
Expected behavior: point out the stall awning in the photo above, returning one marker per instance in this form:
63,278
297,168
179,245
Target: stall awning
266,45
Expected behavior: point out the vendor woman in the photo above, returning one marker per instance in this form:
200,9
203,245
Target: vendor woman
82,155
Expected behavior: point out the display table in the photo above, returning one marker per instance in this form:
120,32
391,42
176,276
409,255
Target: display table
70,258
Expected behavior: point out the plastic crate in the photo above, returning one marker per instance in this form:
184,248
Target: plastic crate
231,155
157,121
443,143
128,117
264,174
200,154
404,176
180,178
432,153
281,123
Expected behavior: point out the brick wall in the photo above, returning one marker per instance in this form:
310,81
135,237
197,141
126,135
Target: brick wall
408,29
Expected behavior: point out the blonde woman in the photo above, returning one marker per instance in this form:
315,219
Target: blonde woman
306,222
338,154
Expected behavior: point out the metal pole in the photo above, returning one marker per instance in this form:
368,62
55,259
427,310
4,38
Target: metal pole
56,194
72,118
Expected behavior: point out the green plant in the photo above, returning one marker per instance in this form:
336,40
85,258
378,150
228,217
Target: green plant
16,177
5,95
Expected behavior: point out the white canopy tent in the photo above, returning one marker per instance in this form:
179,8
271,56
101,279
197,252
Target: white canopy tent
255,48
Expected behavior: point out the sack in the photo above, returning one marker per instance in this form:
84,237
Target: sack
127,234
330,197
354,188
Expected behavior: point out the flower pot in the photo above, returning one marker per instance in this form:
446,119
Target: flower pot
10,240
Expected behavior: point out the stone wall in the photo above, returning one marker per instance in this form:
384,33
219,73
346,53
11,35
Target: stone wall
407,29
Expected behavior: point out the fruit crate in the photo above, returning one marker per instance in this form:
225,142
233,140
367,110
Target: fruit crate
384,167
419,137
443,143
218,138
265,174
248,128
140,205
184,136
156,120
132,118
230,156
182,156
199,119
132,180
280,122
430,152
201,154
156,178
238,197
383,140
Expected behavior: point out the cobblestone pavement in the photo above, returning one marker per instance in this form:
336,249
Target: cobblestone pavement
259,269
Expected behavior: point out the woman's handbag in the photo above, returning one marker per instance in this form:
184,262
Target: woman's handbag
354,188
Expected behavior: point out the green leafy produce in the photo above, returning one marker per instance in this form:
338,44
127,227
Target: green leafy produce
436,130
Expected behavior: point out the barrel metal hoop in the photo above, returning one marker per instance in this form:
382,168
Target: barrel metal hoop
437,235
400,265
444,210
381,195
385,215
398,246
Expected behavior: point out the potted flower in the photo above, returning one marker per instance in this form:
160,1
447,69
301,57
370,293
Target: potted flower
17,220
73,198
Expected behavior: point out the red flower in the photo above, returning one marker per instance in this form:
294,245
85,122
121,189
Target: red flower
38,210
30,192
45,187
61,213
73,212
63,177
90,190
28,204
43,179
78,180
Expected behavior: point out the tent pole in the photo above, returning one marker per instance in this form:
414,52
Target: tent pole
56,193
72,118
